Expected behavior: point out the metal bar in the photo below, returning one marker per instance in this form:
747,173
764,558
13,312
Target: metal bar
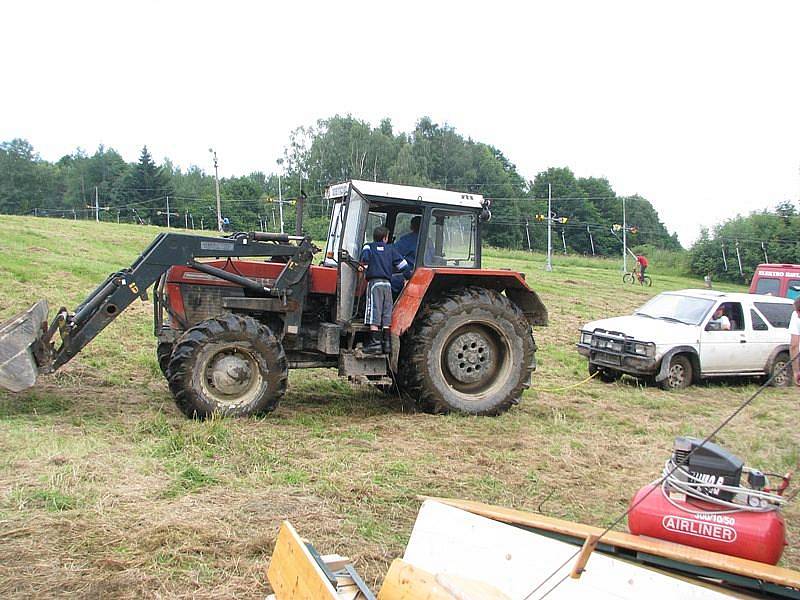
95,301
246,283
362,587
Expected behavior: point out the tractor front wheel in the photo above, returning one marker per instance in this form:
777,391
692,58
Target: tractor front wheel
230,365
469,351
163,354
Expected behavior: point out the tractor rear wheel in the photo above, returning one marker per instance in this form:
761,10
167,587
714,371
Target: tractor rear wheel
470,351
230,365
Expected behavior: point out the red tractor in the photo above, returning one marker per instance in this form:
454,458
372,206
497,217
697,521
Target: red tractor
234,314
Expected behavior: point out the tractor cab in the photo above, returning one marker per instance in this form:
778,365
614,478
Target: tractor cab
430,227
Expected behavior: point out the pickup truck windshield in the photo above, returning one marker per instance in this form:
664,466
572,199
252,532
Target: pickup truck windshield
674,307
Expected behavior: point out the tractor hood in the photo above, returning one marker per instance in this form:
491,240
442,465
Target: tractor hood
648,329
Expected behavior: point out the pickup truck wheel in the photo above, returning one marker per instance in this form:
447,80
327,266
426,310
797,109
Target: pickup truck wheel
469,351
781,377
604,375
230,365
679,375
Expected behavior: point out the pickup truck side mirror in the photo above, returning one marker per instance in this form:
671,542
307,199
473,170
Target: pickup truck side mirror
712,326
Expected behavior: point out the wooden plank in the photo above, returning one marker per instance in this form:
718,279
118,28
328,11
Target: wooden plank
407,582
678,552
293,573
334,562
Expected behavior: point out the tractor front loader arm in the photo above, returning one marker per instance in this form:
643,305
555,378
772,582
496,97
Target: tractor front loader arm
27,345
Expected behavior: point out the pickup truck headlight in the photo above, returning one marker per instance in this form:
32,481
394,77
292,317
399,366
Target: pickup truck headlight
586,338
644,349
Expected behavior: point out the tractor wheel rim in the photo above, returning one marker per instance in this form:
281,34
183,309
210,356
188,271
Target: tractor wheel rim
475,360
230,375
471,357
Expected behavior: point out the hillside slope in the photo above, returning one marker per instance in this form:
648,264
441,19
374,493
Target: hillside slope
105,488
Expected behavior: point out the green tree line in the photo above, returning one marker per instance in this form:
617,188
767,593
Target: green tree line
330,151
765,236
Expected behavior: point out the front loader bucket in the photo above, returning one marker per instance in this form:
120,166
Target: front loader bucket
18,369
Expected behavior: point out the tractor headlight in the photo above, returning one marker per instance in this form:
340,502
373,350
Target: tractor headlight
586,338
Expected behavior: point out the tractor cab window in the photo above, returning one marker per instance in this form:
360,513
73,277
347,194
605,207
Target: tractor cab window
451,239
334,235
374,219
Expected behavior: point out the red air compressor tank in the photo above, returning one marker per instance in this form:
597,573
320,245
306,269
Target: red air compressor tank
758,536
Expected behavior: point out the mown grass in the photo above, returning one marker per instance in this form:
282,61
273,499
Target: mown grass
107,490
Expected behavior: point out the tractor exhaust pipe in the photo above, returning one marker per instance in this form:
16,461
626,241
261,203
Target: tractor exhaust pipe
18,336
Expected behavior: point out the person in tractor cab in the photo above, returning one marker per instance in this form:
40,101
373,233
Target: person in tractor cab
380,260
642,260
406,247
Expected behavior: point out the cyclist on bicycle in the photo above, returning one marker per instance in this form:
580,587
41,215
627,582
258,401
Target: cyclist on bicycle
642,260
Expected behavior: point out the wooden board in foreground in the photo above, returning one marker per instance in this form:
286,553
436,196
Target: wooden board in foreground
407,582
293,573
677,552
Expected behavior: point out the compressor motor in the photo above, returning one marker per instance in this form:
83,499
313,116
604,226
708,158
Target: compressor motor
709,499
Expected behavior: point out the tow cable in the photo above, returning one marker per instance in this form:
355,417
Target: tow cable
566,387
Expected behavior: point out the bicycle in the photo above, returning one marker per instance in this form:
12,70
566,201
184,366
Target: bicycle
635,275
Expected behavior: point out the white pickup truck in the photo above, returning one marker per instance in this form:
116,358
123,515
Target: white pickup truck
675,341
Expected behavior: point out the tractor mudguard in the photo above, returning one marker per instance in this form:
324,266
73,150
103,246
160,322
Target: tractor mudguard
18,368
426,281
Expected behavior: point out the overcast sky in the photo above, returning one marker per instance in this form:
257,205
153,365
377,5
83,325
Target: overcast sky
694,105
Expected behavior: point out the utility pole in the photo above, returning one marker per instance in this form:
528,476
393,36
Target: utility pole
551,218
724,258
591,239
167,212
216,181
764,248
96,205
549,265
186,219
624,238
739,258
528,235
280,194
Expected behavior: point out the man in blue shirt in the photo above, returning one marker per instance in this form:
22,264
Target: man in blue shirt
380,260
407,248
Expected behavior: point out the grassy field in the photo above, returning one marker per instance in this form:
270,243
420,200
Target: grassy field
106,489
